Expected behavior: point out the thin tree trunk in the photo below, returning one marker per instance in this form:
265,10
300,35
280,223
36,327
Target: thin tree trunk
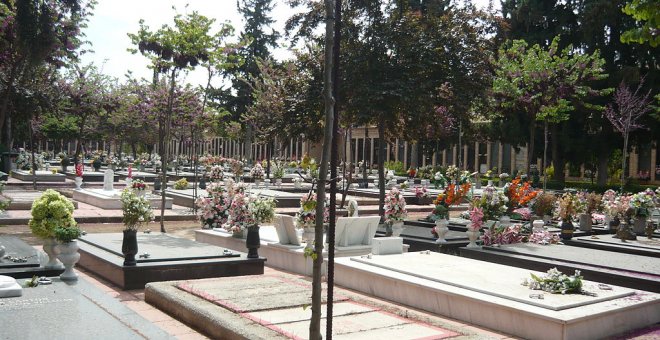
623,161
166,150
603,159
557,157
381,166
545,153
315,322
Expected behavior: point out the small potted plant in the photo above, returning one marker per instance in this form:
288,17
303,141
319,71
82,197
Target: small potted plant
136,213
181,184
68,250
257,173
395,211
49,211
569,206
96,163
278,173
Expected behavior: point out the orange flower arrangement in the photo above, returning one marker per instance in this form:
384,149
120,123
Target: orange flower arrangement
451,195
520,195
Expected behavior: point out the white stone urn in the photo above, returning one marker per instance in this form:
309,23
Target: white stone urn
297,184
78,181
51,249
490,182
278,182
69,257
257,182
537,226
441,227
309,235
397,228
472,236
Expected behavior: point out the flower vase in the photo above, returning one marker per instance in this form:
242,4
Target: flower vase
472,235
606,221
78,181
297,184
202,183
567,229
69,257
537,226
614,223
639,225
51,249
490,182
129,247
585,222
441,227
253,242
397,228
309,235
257,182
278,182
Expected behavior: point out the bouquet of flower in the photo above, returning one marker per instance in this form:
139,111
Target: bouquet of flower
137,210
49,211
544,237
556,282
452,172
440,180
502,235
519,194
138,185
412,172
214,208
492,203
450,197
569,207
79,169
262,209
591,201
421,192
216,173
476,219
643,202
239,214
395,206
504,176
523,213
306,217
543,204
615,205
237,168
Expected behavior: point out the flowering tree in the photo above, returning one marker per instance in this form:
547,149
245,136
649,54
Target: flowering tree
544,84
631,106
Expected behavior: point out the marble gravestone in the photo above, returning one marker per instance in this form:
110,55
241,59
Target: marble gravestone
108,179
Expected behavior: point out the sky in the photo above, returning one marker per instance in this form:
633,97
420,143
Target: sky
113,19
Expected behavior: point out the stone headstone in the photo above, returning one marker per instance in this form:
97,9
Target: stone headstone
387,246
286,230
352,208
108,179
354,231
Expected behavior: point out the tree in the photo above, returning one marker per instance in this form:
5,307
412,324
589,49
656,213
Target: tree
647,13
544,84
630,107
34,34
172,50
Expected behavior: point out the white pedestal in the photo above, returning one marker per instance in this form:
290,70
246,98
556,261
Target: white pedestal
387,245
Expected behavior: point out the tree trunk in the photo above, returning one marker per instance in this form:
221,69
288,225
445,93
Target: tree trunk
315,322
557,158
603,158
623,161
545,153
381,166
166,151
530,149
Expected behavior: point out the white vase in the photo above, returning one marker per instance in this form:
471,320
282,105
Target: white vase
51,249
140,193
537,226
278,182
505,221
490,182
585,222
397,228
472,237
441,227
257,182
78,181
69,257
297,184
309,235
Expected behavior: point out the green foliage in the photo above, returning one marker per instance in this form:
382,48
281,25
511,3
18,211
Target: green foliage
49,211
397,166
181,184
65,235
647,13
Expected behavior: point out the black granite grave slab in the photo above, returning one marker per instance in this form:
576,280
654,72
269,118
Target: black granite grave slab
621,269
170,258
91,176
642,246
16,250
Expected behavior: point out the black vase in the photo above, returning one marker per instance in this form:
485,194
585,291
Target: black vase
253,242
157,184
202,183
129,247
567,230
614,223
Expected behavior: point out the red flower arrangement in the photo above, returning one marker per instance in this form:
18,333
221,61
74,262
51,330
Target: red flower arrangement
519,194
79,170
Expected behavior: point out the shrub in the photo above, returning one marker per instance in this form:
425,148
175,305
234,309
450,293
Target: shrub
50,211
181,184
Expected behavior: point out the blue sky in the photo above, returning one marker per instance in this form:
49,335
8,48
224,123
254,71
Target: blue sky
113,19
